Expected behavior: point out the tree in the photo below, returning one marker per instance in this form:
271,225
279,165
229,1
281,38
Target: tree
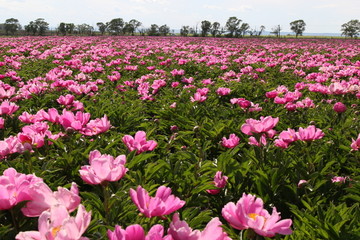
184,31
84,29
69,27
232,25
153,30
135,25
11,26
42,26
115,26
243,29
298,27
262,28
62,28
31,28
215,29
164,30
351,28
276,30
102,27
205,28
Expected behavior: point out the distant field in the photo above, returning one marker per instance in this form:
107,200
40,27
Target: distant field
175,131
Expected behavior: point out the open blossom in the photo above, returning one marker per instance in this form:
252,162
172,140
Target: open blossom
136,232
162,204
198,97
232,142
57,224
310,133
338,179
43,198
96,126
355,145
249,212
220,182
14,187
139,142
8,108
66,100
102,168
180,230
263,125
223,91
77,121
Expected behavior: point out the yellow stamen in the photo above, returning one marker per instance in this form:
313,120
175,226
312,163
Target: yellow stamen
55,230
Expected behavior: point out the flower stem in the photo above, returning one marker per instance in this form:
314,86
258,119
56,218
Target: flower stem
106,195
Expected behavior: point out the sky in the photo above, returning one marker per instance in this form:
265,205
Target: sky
320,16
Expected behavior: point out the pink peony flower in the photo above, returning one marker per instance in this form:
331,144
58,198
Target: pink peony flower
338,179
220,182
14,188
66,100
43,198
232,142
310,133
223,91
136,232
301,183
259,126
8,108
103,168
339,107
355,145
139,142
162,204
180,230
249,212
96,126
58,224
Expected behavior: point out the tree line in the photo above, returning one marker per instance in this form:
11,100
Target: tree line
234,27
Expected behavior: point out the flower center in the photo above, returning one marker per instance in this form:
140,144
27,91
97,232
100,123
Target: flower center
253,216
55,230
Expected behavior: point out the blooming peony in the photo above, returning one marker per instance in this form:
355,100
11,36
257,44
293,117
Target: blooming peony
162,204
249,212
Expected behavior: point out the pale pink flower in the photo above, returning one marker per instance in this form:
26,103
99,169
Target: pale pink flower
219,182
162,204
77,121
180,230
222,91
173,105
102,168
249,212
57,224
66,100
136,232
96,126
139,142
43,198
198,98
301,183
232,142
259,126
52,115
310,133
355,145
8,108
14,187
338,179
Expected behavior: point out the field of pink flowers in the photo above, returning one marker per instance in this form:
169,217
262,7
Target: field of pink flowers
179,138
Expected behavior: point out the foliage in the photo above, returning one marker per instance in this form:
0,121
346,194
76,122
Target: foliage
135,82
